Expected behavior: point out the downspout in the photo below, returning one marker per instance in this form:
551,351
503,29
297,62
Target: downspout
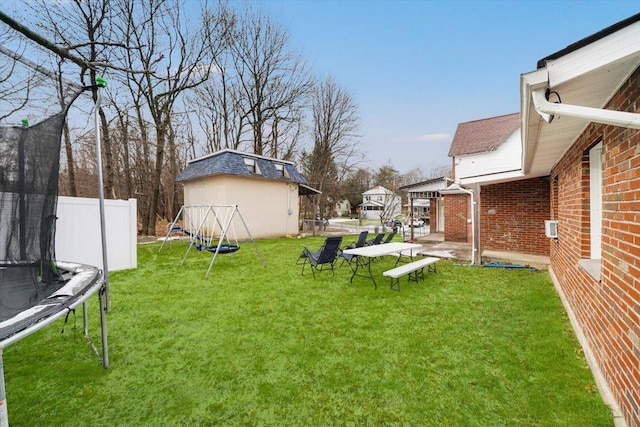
547,110
474,249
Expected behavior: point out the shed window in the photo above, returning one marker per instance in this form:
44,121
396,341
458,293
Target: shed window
252,166
281,170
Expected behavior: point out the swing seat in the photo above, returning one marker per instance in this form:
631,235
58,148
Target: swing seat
225,248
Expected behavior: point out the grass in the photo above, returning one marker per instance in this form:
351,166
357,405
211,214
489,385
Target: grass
265,346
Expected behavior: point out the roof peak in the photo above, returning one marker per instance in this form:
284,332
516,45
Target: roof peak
241,153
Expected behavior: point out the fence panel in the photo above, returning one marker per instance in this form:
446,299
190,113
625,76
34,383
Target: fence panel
78,236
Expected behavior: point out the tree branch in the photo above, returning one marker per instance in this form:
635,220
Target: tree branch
43,42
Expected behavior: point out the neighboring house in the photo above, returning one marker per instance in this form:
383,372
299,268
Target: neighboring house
380,203
343,208
510,214
429,190
266,190
581,126
419,210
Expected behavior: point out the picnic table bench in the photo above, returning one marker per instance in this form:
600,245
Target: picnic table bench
414,269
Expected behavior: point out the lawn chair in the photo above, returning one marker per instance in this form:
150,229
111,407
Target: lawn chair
376,240
362,240
324,258
390,237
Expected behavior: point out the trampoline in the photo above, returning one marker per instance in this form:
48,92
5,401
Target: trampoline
35,288
28,304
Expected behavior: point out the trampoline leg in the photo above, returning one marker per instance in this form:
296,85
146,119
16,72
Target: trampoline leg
103,328
85,319
4,415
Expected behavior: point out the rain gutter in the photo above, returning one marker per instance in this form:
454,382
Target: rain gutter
548,110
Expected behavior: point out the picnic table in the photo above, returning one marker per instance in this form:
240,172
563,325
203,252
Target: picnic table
366,254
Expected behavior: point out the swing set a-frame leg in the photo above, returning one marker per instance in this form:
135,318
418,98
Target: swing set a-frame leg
224,233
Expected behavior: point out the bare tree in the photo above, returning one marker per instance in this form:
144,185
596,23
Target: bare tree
14,93
218,101
274,81
172,52
335,150
82,27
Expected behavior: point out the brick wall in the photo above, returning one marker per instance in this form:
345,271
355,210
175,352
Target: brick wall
456,213
608,310
512,216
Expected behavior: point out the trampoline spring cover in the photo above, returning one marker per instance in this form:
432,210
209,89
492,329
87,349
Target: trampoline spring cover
22,310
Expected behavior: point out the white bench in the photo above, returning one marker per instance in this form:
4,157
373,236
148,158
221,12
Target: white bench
414,269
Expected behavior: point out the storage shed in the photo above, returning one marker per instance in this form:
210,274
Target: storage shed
266,190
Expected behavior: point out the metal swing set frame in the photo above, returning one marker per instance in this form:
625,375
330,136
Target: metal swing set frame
207,227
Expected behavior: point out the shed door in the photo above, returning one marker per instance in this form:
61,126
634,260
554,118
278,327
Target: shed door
595,200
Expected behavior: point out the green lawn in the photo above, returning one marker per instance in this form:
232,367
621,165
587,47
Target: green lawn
265,346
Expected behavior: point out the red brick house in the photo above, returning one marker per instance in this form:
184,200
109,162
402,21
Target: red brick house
510,207
580,119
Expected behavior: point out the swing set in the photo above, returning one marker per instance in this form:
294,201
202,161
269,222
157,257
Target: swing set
207,228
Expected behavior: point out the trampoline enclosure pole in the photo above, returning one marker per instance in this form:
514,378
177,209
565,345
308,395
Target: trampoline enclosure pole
4,416
101,84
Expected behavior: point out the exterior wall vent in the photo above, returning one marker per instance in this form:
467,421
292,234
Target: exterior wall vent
551,229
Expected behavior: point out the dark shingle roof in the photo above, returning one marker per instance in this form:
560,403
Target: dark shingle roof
484,135
229,162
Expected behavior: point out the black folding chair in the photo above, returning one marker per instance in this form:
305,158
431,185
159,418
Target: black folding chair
390,237
322,259
376,240
362,240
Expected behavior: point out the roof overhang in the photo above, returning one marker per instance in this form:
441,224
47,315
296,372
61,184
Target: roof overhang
494,178
305,190
587,75
426,189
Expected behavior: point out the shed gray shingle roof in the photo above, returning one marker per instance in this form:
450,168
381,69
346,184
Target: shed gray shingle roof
480,136
228,162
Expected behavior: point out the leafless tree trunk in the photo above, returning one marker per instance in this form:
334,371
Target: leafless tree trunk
335,126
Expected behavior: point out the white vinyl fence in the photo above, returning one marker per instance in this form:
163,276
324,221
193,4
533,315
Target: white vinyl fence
78,236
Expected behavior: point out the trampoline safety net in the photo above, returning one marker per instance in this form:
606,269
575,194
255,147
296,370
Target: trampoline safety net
29,164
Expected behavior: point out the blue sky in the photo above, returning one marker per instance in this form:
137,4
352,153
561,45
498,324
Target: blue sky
418,68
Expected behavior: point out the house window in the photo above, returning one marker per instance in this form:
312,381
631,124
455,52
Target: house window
252,166
595,199
591,261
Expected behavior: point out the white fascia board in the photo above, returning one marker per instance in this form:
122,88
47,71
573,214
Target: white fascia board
530,123
495,178
600,53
